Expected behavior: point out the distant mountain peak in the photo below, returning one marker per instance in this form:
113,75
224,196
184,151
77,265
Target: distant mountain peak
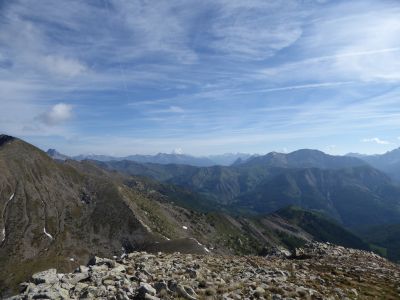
53,153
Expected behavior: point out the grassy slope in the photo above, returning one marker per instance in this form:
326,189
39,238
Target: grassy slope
385,238
322,228
353,196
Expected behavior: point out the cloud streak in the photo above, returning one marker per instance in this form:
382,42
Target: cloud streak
213,74
375,140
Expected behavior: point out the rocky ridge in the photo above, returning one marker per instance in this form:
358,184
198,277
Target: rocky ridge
316,271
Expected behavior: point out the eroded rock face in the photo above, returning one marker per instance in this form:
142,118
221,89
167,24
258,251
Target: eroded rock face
317,271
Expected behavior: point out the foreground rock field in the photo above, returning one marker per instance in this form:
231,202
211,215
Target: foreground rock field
317,271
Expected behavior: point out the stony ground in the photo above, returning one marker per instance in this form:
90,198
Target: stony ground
317,271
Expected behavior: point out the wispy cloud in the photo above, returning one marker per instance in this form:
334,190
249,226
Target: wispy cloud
375,140
236,31
171,109
300,86
208,74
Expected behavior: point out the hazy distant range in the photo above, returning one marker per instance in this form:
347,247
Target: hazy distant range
226,159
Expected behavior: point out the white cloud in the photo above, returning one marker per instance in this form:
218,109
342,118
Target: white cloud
375,140
58,114
63,66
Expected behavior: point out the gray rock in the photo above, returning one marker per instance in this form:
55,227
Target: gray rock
192,273
186,292
102,261
24,287
83,269
48,277
146,288
161,285
150,297
75,278
259,292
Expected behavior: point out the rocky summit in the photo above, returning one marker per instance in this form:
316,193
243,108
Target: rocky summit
316,271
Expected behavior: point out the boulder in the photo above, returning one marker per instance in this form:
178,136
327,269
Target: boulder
48,277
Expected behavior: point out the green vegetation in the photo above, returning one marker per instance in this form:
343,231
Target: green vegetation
385,239
322,228
237,239
344,189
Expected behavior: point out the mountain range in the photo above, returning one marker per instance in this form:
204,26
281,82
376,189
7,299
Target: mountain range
388,162
61,212
344,188
161,158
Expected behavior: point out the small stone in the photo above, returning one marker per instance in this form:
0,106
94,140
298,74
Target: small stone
119,269
146,288
161,285
186,292
192,273
354,291
259,292
80,286
108,282
150,297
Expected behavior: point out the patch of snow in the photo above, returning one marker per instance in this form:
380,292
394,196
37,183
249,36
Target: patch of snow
144,225
167,239
46,233
72,259
198,243
184,227
4,229
115,257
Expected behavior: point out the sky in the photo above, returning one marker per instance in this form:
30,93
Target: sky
120,77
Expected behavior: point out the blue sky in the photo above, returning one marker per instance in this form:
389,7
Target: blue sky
122,77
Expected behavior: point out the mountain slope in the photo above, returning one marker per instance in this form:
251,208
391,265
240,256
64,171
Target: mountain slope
324,271
51,212
61,213
321,228
388,162
386,237
354,195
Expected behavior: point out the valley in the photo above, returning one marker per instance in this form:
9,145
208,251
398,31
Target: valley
62,212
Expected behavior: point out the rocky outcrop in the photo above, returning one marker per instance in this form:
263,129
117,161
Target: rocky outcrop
317,271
